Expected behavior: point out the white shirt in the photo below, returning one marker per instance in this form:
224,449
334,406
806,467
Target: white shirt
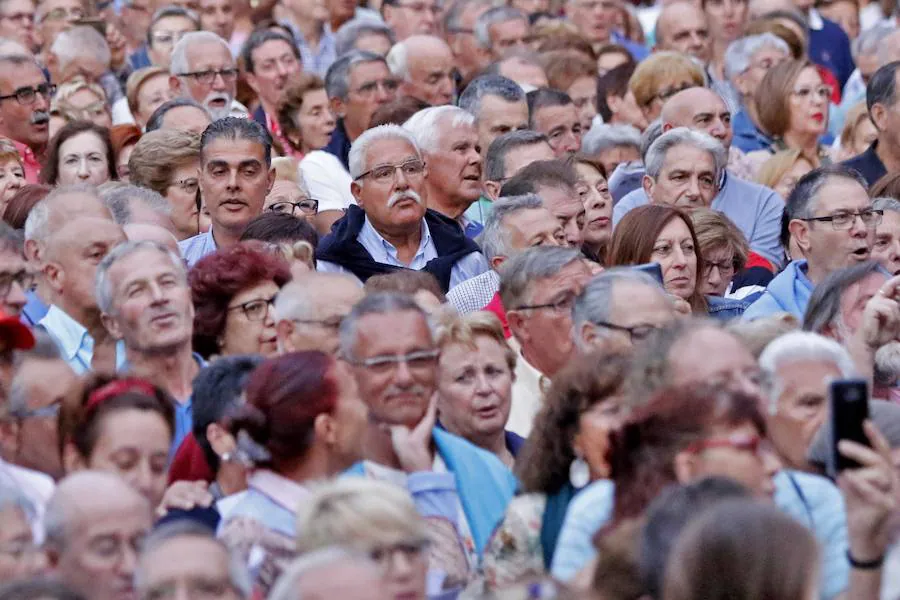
327,179
527,394
37,487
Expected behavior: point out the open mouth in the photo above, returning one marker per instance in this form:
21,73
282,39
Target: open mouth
860,253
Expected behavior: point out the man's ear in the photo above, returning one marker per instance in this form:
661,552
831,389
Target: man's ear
492,189
32,247
54,275
800,232
338,107
271,180
879,115
284,329
356,190
497,261
647,183
112,326
589,334
174,84
516,321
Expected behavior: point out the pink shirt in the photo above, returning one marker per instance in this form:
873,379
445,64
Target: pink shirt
29,162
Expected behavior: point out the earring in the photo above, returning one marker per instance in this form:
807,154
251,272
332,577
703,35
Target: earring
579,473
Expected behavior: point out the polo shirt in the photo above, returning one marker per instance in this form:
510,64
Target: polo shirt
868,164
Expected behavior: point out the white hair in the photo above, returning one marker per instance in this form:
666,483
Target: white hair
398,60
178,65
740,52
799,346
359,151
286,586
428,125
78,42
491,17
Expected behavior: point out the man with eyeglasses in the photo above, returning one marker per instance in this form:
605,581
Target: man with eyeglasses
145,301
204,70
78,52
411,17
55,16
16,279
17,23
309,311
459,31
883,101
167,26
538,288
25,97
390,228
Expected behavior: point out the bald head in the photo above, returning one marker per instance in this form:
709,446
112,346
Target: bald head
682,27
700,109
424,63
56,210
139,232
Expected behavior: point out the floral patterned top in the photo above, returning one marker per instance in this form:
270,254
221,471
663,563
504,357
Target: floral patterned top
514,552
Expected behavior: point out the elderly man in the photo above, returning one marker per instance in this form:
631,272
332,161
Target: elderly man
203,70
447,137
867,49
553,113
538,288
514,224
399,397
15,278
143,293
236,174
390,227
411,18
24,110
883,102
95,524
459,28
309,311
270,60
509,154
755,210
78,52
130,204
887,235
424,66
500,31
365,34
612,145
182,556
498,105
55,16
597,21
684,168
620,303
182,114
17,23
682,27
832,221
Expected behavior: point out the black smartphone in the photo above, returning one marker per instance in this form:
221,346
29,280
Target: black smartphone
651,269
849,409
98,24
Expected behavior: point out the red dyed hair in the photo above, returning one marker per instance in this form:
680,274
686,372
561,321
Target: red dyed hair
123,136
284,396
218,277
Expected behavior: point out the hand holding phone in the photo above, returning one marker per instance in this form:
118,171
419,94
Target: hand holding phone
849,410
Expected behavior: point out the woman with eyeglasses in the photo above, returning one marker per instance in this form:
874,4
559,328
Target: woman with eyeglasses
303,422
233,292
661,76
78,100
81,152
792,103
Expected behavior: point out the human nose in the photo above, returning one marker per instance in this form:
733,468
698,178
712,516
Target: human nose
400,180
714,278
678,258
82,171
573,233
16,295
382,94
219,83
402,373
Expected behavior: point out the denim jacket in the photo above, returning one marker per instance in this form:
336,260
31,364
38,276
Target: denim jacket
725,309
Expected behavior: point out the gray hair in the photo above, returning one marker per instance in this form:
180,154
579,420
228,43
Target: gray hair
44,349
360,149
886,204
337,78
494,238
824,307
650,135
495,159
600,138
497,14
869,41
682,136
800,346
11,240
489,85
179,62
798,204
595,302
286,586
374,304
350,32
103,286
297,298
398,60
171,11
121,198
519,273
238,574
37,224
740,52
429,125
79,41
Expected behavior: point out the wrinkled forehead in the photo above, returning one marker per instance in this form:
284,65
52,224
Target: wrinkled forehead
689,158
389,151
208,55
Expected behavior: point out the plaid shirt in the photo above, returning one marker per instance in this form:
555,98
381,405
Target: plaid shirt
475,293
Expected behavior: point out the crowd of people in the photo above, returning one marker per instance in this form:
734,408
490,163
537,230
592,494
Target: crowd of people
412,299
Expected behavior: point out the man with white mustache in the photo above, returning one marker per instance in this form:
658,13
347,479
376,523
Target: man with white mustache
203,70
390,227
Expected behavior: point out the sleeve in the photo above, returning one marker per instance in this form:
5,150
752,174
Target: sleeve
767,233
589,511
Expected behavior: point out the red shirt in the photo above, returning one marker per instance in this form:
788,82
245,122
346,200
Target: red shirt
29,162
496,306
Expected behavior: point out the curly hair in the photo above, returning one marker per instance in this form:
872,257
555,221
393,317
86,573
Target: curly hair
543,463
218,277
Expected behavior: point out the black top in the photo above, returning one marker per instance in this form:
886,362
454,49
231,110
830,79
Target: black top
868,164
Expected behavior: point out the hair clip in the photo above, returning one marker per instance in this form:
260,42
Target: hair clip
249,451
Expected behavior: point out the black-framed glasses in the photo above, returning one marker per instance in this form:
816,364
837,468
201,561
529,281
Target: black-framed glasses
27,95
307,206
384,173
635,332
665,94
255,310
845,220
416,361
24,278
725,267
329,323
562,305
209,76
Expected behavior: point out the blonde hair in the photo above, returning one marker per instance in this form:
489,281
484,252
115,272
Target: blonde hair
857,113
158,154
715,230
357,513
659,68
565,67
758,333
136,81
287,169
60,103
771,171
8,152
459,329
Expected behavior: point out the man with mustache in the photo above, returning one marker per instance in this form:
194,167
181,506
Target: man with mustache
24,105
390,227
203,69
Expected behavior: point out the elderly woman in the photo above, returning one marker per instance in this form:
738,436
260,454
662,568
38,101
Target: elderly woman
146,90
80,152
598,208
565,451
79,100
304,115
303,421
783,170
21,557
574,73
660,77
168,162
858,133
726,254
610,145
377,519
12,172
476,372
233,291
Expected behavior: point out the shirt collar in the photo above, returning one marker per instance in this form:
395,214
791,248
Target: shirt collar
814,20
368,230
282,490
69,333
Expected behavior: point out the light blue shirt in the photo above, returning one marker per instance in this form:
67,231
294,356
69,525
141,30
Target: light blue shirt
384,252
74,341
195,248
814,501
315,62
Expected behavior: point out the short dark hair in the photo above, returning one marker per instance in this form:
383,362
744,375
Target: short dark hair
613,83
882,88
156,119
257,39
807,188
542,98
280,227
542,173
237,128
495,159
489,85
50,168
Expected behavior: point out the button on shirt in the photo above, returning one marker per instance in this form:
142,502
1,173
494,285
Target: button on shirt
384,252
74,341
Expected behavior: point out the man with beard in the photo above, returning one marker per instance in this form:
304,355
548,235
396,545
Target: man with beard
24,104
270,60
390,228
449,142
143,293
203,69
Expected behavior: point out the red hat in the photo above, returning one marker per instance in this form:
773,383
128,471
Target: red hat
16,334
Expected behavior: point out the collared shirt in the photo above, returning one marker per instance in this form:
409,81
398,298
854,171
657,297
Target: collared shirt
285,492
195,248
384,252
480,210
868,164
474,294
34,309
527,394
319,60
74,341
37,487
30,163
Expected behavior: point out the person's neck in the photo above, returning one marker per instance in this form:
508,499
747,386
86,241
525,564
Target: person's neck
87,317
546,365
310,29
807,143
750,107
405,241
173,369
336,22
494,443
889,153
445,205
814,274
225,238
352,130
717,61
316,465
